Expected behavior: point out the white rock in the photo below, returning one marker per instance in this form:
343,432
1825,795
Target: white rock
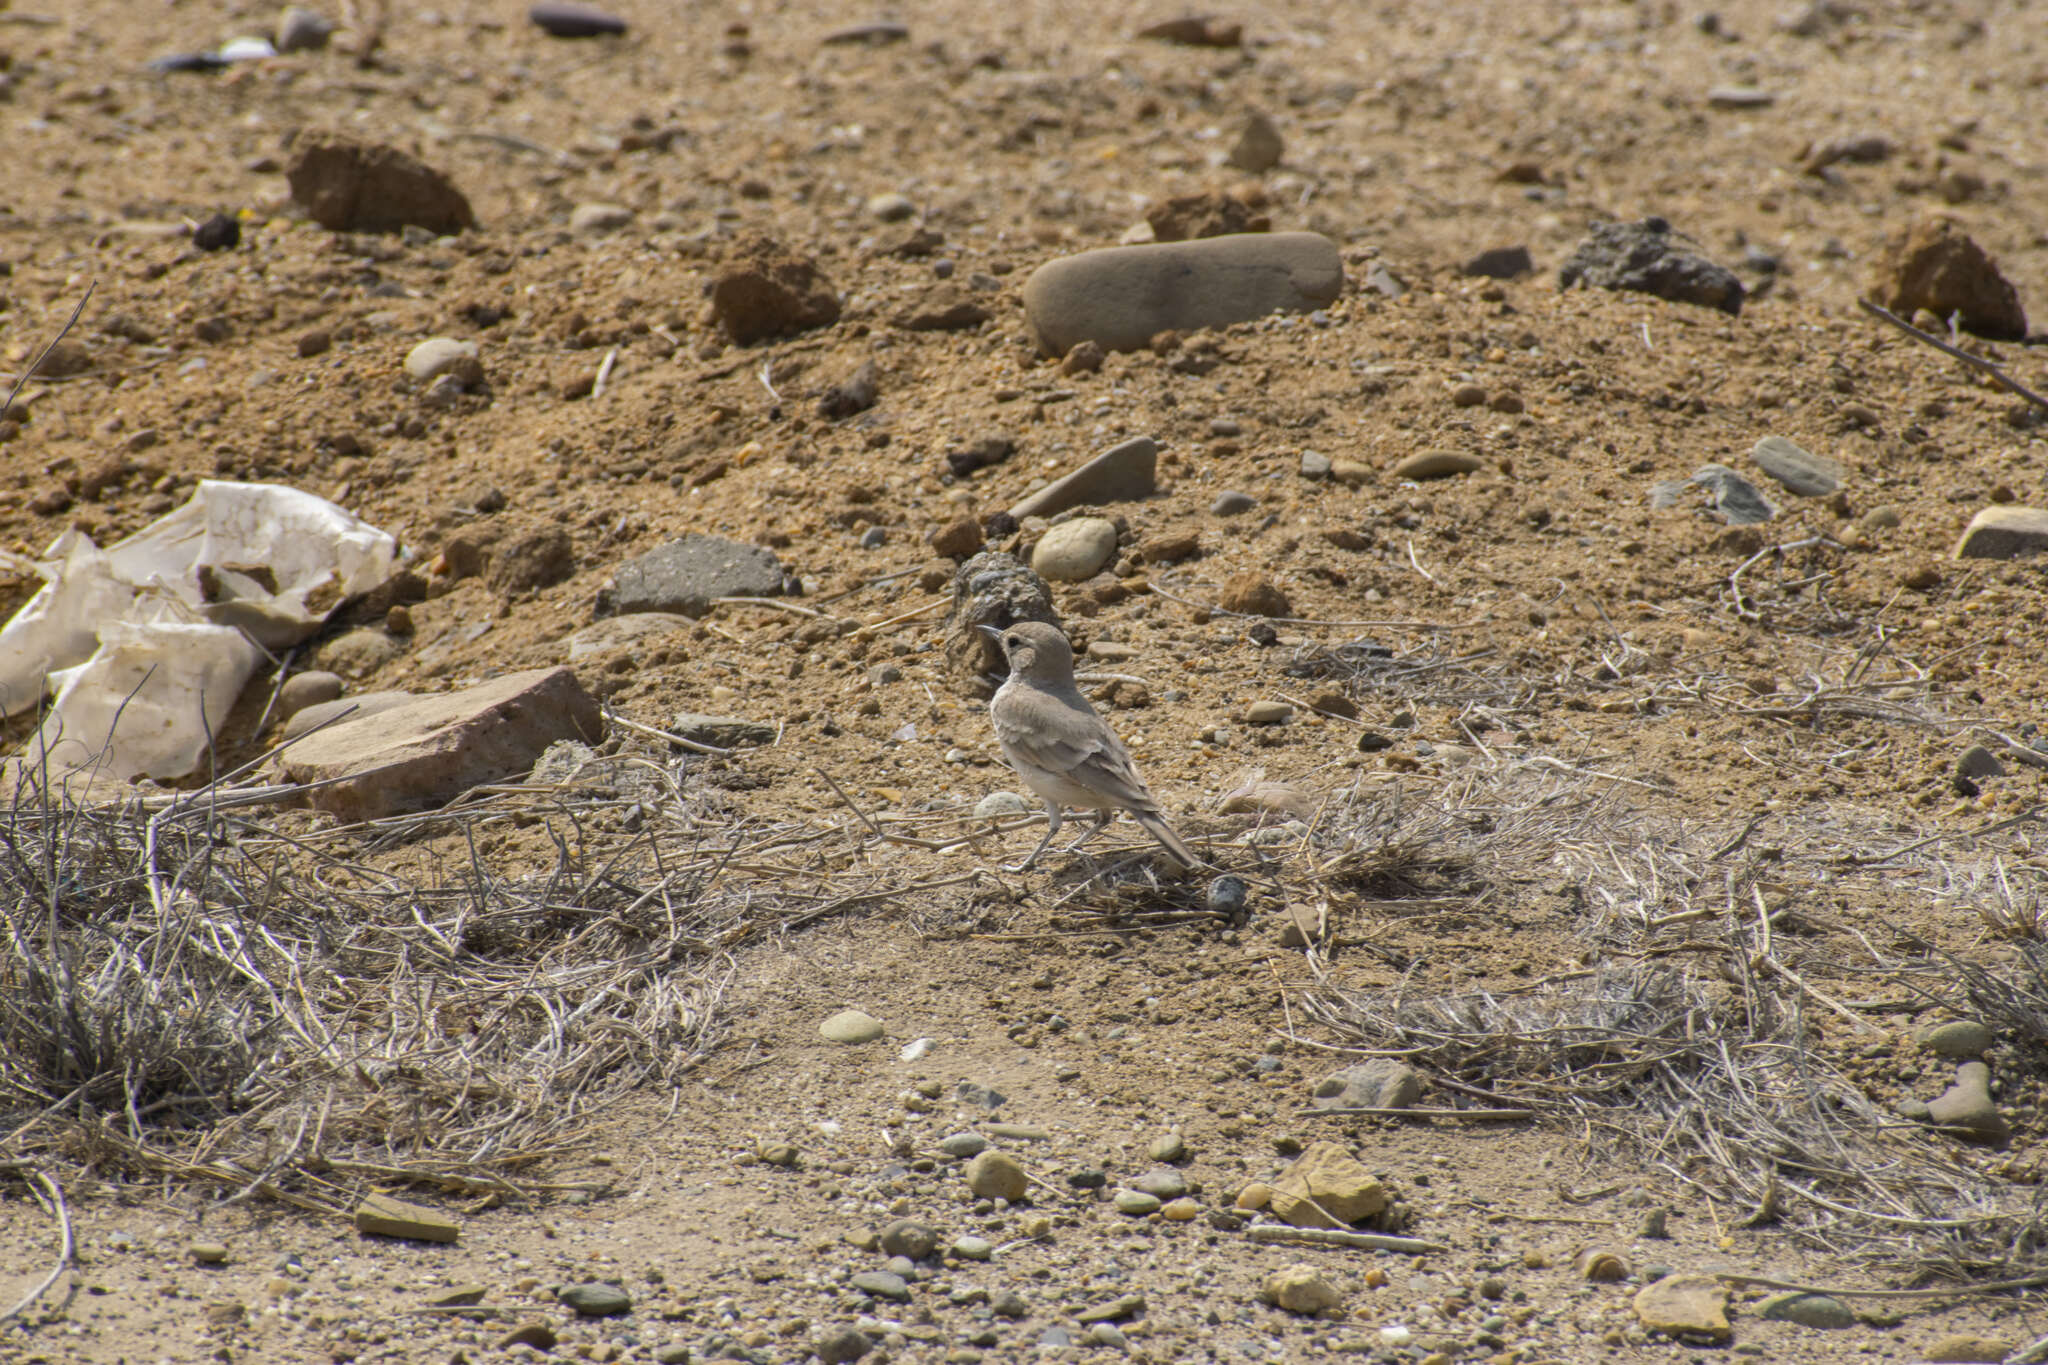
437,356
1075,550
589,220
999,806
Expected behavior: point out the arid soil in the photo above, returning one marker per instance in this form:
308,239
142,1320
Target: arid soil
1562,627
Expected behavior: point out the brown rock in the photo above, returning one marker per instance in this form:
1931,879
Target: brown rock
1437,464
1126,472
1326,1187
1254,594
64,359
1196,30
942,308
352,186
766,290
434,748
1693,1306
1934,265
382,1216
1084,357
1300,1288
1169,547
1963,1348
1210,213
957,539
2004,533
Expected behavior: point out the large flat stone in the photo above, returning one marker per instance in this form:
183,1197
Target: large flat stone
1694,1307
2004,533
432,749
1121,297
1123,473
688,574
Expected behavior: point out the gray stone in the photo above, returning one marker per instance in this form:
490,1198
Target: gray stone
1807,474
2004,533
1020,1132
1268,712
688,574
566,19
1437,464
593,220
1978,762
1962,1039
1226,896
1314,465
301,30
995,1175
1075,550
1382,1083
437,356
1964,1348
1122,297
1384,282
1739,97
851,1026
1109,1334
882,1284
1259,146
973,1249
908,1237
319,713
720,732
1170,1147
432,749
1164,1183
1010,1304
891,207
1231,503
1808,1310
1649,258
1000,806
1126,472
1136,1203
1967,1105
840,1346
1500,263
1125,1306
626,632
596,1300
964,1145
302,690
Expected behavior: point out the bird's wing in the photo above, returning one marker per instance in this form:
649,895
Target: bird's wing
1096,759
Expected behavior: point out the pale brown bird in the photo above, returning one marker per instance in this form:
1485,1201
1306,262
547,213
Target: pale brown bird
1063,750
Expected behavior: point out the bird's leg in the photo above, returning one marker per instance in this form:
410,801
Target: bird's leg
1052,827
1102,819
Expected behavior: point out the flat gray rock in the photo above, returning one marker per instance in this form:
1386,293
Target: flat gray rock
1121,297
1124,473
1735,498
357,708
1805,473
1967,1105
2004,533
685,576
432,749
1381,1083
622,632
720,732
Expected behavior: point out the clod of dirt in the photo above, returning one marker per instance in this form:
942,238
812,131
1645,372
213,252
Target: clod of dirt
1122,297
942,308
1500,263
852,395
351,186
1210,213
1300,1288
1936,266
1259,145
994,1175
64,359
685,575
561,19
991,589
539,559
1649,258
1196,30
1251,593
957,539
767,290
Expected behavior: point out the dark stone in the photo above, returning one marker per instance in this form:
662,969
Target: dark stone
1649,258
686,574
1501,263
560,19
221,232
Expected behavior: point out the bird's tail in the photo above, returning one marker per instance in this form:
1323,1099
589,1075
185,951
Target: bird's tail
1155,825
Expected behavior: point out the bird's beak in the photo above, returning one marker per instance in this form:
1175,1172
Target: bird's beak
992,633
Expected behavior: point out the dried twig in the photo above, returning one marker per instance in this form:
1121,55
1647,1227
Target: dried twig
1977,362
1338,1237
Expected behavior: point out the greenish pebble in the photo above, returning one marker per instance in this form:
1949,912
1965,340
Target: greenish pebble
596,1300
1136,1203
1808,1310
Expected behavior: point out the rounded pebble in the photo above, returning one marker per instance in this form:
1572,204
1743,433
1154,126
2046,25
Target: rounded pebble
1075,550
851,1026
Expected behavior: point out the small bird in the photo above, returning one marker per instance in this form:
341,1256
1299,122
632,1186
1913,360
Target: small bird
1063,750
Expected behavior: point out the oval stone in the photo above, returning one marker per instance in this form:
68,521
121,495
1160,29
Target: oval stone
1121,297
